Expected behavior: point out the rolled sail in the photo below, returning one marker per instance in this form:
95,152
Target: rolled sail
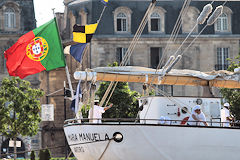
222,79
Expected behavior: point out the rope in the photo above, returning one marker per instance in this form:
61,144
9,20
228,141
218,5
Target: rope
69,154
111,94
183,14
199,34
193,40
129,51
137,35
106,93
185,39
172,37
174,32
105,150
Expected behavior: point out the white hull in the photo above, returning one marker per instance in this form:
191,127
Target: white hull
153,142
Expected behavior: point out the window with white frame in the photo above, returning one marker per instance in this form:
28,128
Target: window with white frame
222,22
121,22
222,62
155,21
121,52
155,56
9,18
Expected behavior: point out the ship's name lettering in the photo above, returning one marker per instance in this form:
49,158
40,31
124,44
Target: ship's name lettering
92,137
73,137
88,137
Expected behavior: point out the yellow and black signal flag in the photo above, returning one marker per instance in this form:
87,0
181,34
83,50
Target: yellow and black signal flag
105,2
83,34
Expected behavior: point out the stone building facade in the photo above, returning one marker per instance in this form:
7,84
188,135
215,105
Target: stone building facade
121,19
111,40
16,18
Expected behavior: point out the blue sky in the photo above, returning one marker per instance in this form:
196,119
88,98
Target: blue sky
43,9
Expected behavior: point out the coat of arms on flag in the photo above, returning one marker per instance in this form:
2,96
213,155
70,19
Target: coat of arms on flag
37,49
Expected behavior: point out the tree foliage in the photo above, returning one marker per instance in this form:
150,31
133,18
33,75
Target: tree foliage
19,108
41,155
233,95
32,155
125,103
47,154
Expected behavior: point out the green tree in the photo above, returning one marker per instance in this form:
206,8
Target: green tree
125,103
19,108
233,95
32,155
41,155
47,154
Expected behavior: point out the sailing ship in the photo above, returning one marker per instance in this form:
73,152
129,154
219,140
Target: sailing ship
148,136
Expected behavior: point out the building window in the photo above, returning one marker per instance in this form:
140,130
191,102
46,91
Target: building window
189,20
9,18
222,62
155,55
222,22
155,22
121,22
121,52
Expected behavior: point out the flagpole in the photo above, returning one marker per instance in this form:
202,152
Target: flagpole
101,14
66,67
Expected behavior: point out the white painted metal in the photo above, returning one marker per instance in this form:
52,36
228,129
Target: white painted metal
172,107
154,142
149,140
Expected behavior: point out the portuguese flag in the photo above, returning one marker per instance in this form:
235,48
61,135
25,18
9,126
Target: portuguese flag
37,50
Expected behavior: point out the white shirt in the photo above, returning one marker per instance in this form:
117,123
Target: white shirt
224,114
164,120
97,113
200,117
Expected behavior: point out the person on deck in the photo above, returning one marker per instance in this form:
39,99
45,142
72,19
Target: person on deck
197,116
226,118
97,112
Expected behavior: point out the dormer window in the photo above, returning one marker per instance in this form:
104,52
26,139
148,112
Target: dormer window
121,22
155,22
222,22
9,18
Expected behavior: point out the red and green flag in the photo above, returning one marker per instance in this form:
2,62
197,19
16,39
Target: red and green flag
36,51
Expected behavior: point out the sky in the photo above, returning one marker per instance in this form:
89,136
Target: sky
43,10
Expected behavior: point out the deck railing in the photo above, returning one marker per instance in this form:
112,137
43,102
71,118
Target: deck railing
130,121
